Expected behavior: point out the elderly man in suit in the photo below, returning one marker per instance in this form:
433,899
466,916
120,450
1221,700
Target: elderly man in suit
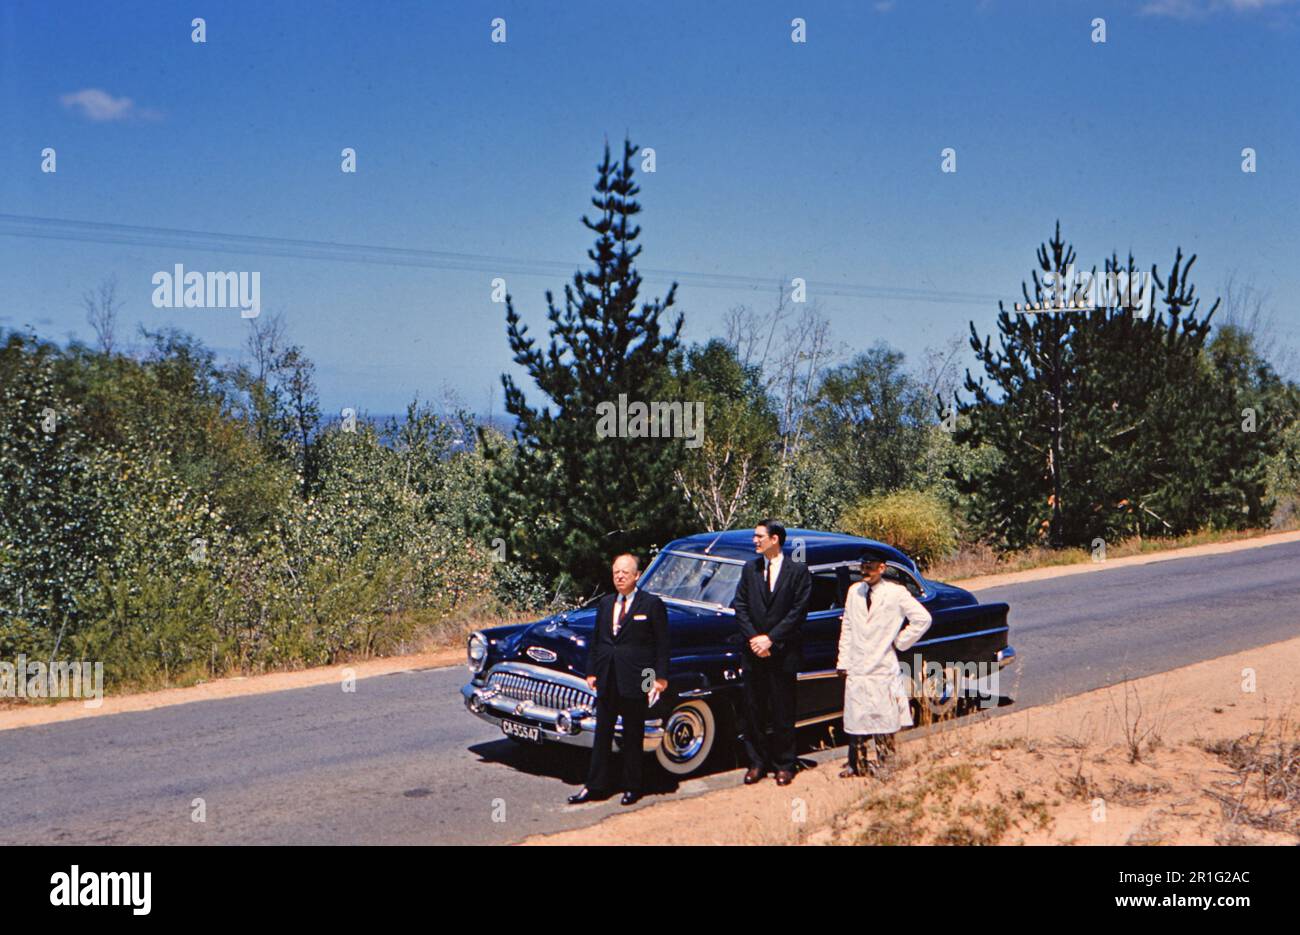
627,665
771,607
880,618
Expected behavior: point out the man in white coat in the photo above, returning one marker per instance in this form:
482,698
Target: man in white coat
879,618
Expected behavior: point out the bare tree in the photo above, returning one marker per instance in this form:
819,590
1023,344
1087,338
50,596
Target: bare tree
295,376
718,485
796,373
939,374
102,306
285,407
1250,309
793,350
751,334
266,340
718,478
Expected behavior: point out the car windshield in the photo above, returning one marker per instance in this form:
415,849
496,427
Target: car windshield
693,579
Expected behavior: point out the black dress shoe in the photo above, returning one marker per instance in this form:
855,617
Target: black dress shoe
784,777
585,795
630,798
753,775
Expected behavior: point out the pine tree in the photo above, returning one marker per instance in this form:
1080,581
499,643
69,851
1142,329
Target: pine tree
565,501
1021,498
1152,416
1108,423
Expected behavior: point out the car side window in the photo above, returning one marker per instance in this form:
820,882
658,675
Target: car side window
898,576
825,592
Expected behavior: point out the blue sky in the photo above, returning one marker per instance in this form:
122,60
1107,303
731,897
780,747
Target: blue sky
774,160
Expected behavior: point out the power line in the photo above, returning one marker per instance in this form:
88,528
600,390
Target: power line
41,228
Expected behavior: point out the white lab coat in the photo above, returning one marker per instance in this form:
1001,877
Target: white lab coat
876,692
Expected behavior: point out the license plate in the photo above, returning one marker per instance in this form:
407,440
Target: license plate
522,731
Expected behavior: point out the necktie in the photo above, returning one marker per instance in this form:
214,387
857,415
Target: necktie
767,574
868,598
618,613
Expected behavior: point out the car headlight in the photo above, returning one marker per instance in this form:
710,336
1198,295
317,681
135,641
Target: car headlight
477,651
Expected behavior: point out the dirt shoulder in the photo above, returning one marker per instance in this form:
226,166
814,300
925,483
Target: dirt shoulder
27,714
1216,763
1146,558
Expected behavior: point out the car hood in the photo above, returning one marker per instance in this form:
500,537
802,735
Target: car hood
562,641
558,642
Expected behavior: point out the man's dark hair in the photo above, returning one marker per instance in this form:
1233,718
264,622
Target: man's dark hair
773,529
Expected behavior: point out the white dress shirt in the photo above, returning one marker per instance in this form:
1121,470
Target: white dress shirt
773,569
617,621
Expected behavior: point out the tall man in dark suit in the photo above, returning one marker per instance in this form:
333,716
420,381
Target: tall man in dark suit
771,606
627,662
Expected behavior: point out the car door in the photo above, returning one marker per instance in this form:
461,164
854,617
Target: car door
820,692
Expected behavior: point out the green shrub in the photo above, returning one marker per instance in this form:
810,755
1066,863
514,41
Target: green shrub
916,522
147,521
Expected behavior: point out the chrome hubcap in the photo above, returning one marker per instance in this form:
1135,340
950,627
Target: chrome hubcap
684,734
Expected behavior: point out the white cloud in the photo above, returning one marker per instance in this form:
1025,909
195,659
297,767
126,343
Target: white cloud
101,107
1193,9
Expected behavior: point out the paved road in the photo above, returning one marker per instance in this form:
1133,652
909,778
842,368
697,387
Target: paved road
399,761
1086,631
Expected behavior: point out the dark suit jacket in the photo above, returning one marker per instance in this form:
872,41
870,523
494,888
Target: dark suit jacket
779,613
642,643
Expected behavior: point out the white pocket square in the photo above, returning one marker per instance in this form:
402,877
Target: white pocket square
638,616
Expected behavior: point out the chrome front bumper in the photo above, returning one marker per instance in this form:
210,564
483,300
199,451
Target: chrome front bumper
990,685
575,725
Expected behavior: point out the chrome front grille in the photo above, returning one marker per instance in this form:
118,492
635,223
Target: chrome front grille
539,691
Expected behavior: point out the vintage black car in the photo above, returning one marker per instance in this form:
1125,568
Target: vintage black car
529,678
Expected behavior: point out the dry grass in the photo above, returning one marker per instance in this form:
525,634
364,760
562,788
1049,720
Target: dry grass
1263,790
1141,725
975,560
443,630
945,803
1000,792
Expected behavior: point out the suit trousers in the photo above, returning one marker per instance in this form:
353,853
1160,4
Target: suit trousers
609,705
769,703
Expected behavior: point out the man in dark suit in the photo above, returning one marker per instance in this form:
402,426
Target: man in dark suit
771,606
627,664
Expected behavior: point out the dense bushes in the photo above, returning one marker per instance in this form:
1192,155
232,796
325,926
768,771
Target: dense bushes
919,523
146,522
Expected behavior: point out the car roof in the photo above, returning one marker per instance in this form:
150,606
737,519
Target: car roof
820,548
